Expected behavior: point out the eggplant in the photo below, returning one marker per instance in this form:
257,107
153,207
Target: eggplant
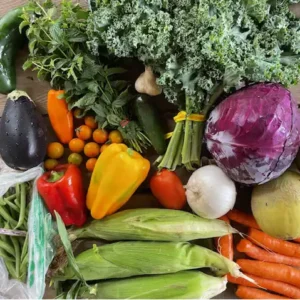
23,133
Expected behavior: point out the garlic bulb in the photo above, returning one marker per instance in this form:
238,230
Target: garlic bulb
146,83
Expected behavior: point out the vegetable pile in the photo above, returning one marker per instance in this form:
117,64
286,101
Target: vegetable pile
127,222
199,50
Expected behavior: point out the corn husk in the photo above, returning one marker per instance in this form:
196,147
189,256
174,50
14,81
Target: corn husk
153,225
182,285
127,259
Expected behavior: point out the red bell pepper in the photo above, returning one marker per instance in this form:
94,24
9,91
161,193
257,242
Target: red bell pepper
62,191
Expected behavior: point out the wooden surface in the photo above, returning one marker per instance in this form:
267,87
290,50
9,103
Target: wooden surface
37,90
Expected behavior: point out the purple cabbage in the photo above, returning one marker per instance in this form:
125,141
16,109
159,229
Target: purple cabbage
254,134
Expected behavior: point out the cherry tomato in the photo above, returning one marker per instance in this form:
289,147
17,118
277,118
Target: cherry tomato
84,132
75,159
103,147
50,164
76,145
90,164
77,113
91,122
55,150
115,136
91,149
167,187
100,136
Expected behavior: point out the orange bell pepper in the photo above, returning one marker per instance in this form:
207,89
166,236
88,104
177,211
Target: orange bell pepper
118,173
60,117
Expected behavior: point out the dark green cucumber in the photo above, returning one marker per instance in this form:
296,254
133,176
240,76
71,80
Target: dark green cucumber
11,41
150,122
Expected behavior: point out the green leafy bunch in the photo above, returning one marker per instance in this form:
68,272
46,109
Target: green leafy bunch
199,49
195,46
58,51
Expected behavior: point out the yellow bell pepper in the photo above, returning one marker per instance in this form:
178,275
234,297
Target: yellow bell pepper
118,173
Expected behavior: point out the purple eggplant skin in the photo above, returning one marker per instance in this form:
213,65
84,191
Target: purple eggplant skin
23,133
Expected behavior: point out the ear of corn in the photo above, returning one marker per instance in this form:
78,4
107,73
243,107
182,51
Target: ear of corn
182,285
153,225
126,259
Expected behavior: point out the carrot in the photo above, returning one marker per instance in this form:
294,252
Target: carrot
242,218
255,252
271,285
273,271
224,244
244,292
277,245
297,240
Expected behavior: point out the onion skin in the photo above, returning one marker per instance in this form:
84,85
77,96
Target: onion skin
254,134
210,192
276,206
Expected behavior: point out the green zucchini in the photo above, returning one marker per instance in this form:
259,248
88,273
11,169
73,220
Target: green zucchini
150,122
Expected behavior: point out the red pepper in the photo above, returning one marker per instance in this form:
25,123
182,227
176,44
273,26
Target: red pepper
62,191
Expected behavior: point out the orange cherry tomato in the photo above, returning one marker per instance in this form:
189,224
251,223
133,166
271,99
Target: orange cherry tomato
50,164
100,136
55,150
91,122
76,145
84,132
75,159
91,149
103,147
115,136
77,113
90,164
167,187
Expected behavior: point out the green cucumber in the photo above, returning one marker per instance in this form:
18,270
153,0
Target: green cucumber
150,122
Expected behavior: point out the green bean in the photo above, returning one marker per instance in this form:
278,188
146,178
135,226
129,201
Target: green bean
6,216
22,206
23,268
17,254
12,205
10,198
17,203
5,256
11,269
25,248
8,248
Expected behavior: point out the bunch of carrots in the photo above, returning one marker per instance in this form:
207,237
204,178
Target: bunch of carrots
273,265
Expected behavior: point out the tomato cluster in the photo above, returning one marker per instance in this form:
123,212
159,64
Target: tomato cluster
90,140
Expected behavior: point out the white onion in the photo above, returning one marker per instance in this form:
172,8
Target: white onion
210,192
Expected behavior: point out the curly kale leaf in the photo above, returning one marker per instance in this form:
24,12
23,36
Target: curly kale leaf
196,45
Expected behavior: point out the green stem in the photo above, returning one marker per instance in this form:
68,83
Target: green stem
173,148
178,158
187,144
198,128
55,176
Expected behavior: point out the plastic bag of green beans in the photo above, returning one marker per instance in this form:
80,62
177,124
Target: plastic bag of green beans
26,231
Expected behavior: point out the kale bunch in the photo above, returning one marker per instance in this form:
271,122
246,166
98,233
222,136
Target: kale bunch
198,47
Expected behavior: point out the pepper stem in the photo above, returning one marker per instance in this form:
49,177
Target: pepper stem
55,176
130,151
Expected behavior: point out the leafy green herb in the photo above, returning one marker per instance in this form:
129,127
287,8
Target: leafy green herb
59,52
200,49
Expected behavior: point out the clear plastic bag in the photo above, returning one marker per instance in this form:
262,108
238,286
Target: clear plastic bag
40,249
